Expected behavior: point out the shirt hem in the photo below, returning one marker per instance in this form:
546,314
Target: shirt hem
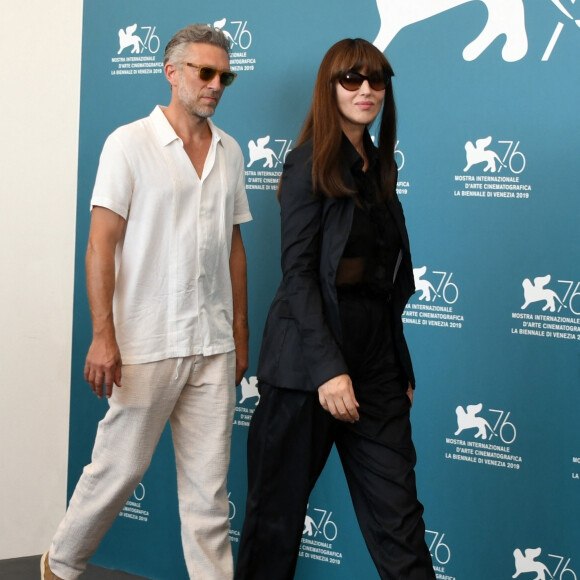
208,351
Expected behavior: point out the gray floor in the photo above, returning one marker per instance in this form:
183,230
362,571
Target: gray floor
29,569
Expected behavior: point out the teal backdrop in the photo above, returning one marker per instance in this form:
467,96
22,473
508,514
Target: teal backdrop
487,95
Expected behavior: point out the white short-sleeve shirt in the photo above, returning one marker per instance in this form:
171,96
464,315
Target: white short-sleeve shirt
173,294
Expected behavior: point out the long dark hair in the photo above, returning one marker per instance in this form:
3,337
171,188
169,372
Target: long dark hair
322,124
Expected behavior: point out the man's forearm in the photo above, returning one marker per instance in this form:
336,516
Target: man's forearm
105,232
239,278
100,267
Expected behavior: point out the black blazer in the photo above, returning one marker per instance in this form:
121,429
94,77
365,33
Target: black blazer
302,337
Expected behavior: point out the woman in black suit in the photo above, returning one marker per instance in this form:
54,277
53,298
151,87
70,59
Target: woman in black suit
334,366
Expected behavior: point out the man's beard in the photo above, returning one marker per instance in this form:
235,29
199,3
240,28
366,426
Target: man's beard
193,107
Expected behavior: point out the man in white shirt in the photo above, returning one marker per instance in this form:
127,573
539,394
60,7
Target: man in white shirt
166,279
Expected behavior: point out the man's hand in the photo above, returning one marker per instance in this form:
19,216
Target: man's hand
337,397
103,366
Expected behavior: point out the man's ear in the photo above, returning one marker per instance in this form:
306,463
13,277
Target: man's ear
171,72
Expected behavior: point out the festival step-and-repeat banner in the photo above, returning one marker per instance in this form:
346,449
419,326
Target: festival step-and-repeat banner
487,94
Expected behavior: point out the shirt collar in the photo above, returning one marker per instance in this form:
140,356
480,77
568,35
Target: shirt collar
166,133
351,155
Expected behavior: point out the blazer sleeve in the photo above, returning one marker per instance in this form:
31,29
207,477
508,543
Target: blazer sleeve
301,214
403,289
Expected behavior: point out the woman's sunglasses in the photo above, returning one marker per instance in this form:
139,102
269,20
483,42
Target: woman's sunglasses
207,73
352,81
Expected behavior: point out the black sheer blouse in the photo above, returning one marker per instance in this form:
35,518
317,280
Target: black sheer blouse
373,246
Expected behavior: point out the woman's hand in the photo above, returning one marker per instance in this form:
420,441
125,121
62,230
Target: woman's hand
410,393
337,397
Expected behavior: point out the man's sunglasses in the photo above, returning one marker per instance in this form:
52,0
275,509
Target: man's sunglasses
352,81
207,73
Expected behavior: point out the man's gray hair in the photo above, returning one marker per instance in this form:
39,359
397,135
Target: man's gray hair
204,33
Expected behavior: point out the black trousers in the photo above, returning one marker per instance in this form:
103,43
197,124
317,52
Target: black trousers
290,438
289,441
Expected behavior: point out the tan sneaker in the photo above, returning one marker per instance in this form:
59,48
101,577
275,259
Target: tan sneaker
45,571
